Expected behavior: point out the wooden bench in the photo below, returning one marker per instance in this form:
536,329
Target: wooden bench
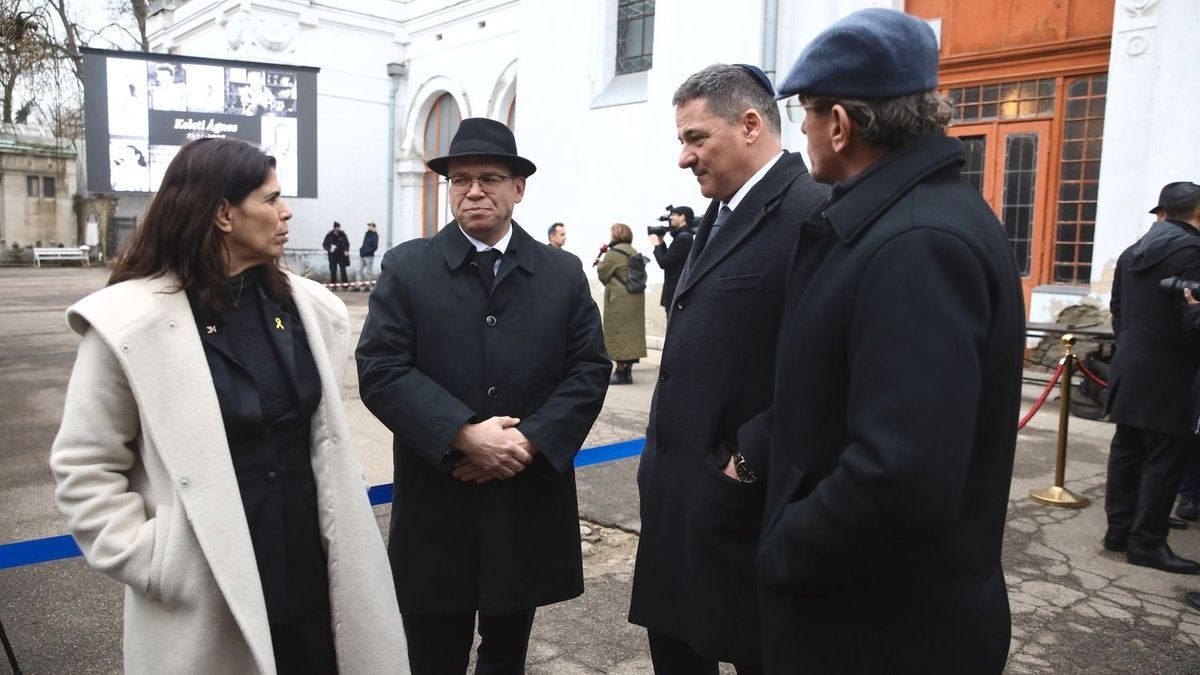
60,254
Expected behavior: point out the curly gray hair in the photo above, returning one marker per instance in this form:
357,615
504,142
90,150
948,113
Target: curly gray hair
895,121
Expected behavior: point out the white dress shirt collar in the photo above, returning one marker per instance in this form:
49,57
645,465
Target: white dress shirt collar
748,185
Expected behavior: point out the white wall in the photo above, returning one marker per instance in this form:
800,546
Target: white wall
1150,134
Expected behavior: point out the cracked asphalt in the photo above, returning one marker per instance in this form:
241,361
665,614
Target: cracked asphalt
1075,608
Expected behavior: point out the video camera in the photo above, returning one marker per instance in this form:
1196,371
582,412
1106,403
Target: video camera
662,230
1175,286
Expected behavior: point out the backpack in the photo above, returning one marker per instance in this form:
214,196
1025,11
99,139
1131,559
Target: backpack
635,278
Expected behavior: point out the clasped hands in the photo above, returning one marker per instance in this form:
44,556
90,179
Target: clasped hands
493,449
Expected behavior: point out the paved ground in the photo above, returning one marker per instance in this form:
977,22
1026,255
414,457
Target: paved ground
1075,608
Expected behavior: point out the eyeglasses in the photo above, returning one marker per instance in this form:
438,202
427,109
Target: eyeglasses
487,183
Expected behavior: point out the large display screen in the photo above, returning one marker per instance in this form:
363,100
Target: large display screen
141,107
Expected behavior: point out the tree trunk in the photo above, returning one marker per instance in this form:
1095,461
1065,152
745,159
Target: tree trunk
140,12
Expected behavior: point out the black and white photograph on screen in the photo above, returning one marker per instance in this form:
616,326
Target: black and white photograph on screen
247,93
283,86
127,97
160,157
168,86
279,141
129,165
205,87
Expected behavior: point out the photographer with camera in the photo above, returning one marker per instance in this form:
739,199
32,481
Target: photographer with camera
1151,398
672,258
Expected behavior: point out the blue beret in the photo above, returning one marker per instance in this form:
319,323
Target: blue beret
871,54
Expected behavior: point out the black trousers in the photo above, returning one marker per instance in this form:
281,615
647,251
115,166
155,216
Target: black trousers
672,656
336,264
305,646
440,644
1144,471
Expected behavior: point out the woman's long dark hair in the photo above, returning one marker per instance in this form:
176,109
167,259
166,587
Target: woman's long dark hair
178,234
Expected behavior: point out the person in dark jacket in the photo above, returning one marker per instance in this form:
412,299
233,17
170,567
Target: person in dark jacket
672,258
897,382
337,245
702,473
482,352
1151,397
366,254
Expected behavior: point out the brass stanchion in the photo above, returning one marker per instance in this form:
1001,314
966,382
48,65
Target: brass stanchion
1059,495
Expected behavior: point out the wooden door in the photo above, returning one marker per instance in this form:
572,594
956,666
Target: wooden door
1010,165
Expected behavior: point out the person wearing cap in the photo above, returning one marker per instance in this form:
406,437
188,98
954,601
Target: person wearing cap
482,352
337,246
672,258
366,254
1151,396
897,382
702,474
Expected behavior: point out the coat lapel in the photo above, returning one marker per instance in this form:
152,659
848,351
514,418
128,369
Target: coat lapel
746,218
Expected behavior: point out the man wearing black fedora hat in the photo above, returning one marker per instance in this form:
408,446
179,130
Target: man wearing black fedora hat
483,353
897,382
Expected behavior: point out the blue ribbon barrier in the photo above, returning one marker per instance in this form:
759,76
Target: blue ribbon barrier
35,551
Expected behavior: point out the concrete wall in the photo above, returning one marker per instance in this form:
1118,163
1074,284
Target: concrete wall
27,220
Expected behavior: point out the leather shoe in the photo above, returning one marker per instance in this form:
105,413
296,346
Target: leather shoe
1161,557
1188,509
1192,599
1176,523
1114,543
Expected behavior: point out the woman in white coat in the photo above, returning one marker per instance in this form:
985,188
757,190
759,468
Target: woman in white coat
204,458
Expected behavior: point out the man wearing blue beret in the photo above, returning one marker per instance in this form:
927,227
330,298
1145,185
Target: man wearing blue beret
897,381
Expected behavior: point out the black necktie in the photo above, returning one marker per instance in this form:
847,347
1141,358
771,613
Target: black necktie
486,261
722,216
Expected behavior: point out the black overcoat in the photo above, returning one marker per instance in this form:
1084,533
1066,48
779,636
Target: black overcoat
694,577
897,390
1157,357
672,260
436,351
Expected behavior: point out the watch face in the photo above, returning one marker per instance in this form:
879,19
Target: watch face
744,473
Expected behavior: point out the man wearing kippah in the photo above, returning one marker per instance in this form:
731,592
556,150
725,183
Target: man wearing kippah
897,382
702,477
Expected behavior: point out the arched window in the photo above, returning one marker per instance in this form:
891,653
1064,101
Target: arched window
440,126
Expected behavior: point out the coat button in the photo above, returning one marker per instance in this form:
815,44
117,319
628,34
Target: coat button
125,347
662,447
663,376
681,304
272,476
171,323
184,482
490,320
492,393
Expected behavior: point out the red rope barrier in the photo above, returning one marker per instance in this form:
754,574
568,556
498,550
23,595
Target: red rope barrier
1091,376
1041,399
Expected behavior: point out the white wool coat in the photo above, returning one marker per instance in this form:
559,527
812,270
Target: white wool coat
146,481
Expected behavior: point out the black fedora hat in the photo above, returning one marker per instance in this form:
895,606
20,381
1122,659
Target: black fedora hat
483,137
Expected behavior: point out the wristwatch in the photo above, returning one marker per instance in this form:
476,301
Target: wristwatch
744,472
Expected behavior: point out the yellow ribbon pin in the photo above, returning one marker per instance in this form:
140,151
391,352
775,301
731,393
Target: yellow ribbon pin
278,323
